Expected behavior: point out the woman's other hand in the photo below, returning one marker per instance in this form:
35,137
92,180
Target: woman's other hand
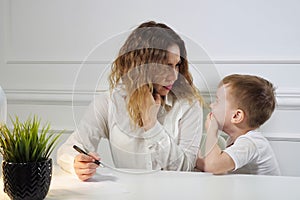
149,111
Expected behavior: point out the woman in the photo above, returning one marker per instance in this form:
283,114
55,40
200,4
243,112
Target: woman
152,115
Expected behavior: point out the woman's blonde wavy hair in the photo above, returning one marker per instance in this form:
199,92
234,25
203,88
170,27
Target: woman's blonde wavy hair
145,50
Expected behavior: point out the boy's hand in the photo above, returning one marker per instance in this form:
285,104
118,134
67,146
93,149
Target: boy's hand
200,164
211,123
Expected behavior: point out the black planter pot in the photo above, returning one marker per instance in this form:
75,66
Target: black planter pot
27,181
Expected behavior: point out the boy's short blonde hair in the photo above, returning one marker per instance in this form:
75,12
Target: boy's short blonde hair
254,95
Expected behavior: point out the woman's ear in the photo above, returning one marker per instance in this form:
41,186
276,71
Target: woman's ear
238,116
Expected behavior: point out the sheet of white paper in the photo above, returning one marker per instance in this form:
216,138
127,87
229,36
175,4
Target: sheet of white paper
67,186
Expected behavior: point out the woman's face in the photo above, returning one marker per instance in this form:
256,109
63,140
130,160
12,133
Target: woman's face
165,83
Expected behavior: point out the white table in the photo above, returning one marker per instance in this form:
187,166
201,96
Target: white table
171,185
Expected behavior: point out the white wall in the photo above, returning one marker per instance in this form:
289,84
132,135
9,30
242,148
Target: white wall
44,43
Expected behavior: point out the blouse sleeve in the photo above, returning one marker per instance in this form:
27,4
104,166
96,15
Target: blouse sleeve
92,127
177,153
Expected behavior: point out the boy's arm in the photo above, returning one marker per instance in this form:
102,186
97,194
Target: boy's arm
216,161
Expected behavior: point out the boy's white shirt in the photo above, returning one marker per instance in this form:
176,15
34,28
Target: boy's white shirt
172,144
253,154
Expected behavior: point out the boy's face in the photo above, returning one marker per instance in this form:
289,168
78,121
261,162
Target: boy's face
222,108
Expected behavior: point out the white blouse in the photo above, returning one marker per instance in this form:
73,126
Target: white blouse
172,144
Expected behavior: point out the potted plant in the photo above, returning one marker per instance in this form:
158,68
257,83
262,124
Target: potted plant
26,166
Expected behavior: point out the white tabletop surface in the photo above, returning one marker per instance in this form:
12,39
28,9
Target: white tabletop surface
109,184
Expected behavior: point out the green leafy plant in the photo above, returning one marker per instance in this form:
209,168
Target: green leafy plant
25,142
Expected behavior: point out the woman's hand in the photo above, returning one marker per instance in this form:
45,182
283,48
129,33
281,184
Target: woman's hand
150,110
84,165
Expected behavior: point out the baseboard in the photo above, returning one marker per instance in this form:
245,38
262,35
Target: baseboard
287,99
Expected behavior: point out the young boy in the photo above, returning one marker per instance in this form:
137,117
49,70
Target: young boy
243,103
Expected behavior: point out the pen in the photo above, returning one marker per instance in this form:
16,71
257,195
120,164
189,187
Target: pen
82,151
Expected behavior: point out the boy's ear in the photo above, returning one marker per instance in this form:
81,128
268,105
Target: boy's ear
238,116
